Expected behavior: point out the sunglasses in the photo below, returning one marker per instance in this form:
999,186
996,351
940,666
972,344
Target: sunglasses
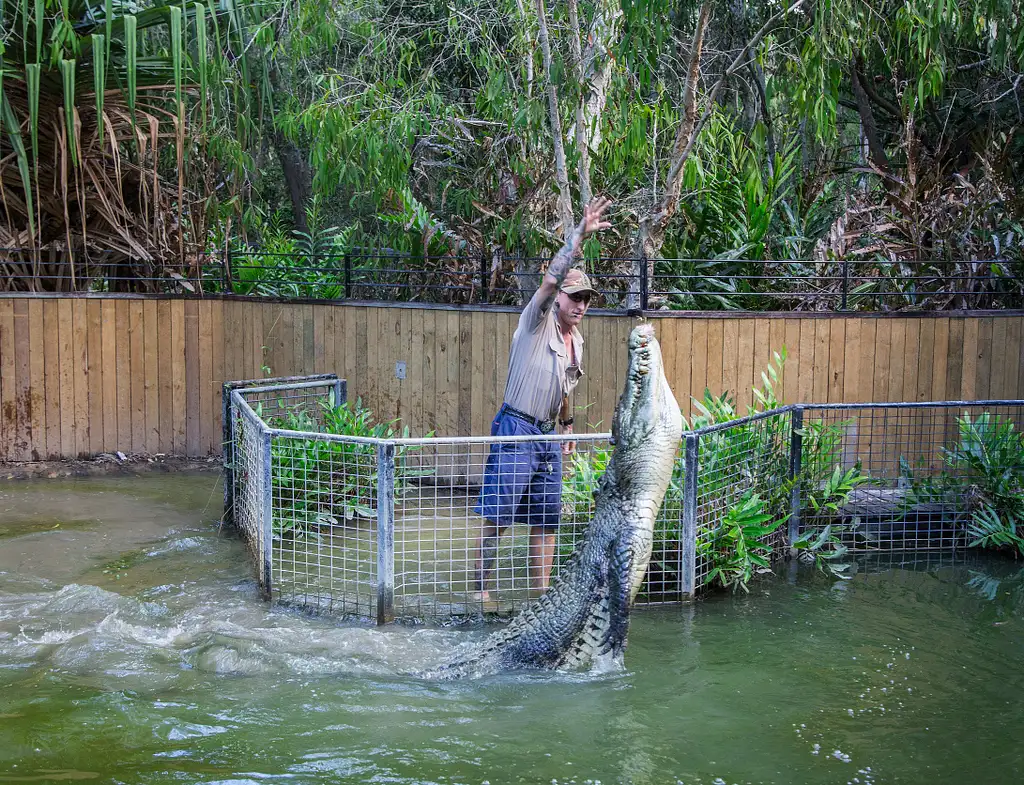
580,297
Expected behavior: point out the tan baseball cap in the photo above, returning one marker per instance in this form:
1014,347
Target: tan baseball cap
577,281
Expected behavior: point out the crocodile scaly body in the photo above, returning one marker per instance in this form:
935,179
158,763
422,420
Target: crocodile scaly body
585,613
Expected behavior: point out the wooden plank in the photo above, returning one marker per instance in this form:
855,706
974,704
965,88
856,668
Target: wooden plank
94,374
776,345
852,353
983,386
323,329
762,354
480,373
502,348
940,357
51,378
666,331
209,345
746,372
7,381
66,358
882,359
371,367
109,363
999,366
452,392
836,368
193,378
804,365
258,349
123,354
683,350
730,360
80,377
179,399
925,357
37,402
898,359
791,380
716,347
466,386
413,349
969,373
868,373
433,358
137,376
912,353
21,447
698,366
820,369
1011,351
392,336
955,362
152,331
218,377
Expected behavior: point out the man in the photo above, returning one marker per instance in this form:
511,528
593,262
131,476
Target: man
523,480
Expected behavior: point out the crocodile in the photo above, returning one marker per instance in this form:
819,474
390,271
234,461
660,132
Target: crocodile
583,618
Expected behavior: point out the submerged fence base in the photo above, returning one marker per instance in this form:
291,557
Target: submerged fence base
384,528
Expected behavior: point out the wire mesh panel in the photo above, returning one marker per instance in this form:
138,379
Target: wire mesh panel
324,500
249,480
742,472
299,406
906,476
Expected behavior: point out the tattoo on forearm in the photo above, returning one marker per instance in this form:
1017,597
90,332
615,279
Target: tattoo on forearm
560,263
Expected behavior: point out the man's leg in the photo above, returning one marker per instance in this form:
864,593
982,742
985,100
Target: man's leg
486,551
542,556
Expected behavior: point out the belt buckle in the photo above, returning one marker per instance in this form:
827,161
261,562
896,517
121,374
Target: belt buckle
546,426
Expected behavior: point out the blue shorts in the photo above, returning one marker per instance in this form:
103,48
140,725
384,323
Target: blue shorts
522,480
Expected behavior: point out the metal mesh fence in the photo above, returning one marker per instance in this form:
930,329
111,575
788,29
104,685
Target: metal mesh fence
743,462
401,528
918,469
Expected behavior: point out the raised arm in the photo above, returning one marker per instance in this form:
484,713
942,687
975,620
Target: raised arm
593,221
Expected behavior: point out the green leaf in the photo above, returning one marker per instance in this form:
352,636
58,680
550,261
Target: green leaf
32,71
176,46
99,79
200,12
67,73
14,133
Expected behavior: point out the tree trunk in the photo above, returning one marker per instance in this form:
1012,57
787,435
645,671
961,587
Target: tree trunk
564,207
297,178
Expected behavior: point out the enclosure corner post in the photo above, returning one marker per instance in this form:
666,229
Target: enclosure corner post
386,533
484,294
348,275
688,527
340,392
846,284
645,283
227,456
796,444
267,527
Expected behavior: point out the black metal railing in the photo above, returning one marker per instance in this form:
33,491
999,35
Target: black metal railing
623,283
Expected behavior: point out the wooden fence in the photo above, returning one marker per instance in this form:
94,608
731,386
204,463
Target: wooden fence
87,375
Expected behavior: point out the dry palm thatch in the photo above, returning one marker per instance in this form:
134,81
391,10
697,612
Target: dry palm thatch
93,138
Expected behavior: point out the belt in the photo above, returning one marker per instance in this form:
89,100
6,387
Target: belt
545,426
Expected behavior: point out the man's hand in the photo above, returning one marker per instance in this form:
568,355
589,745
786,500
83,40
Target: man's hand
568,448
593,216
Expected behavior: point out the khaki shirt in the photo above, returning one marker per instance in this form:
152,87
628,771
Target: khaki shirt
540,370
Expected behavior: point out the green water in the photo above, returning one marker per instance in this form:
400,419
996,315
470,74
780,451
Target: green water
134,649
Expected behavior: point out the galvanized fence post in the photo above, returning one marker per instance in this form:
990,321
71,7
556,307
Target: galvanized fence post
385,533
268,514
228,449
796,445
484,294
688,527
340,392
348,275
645,284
